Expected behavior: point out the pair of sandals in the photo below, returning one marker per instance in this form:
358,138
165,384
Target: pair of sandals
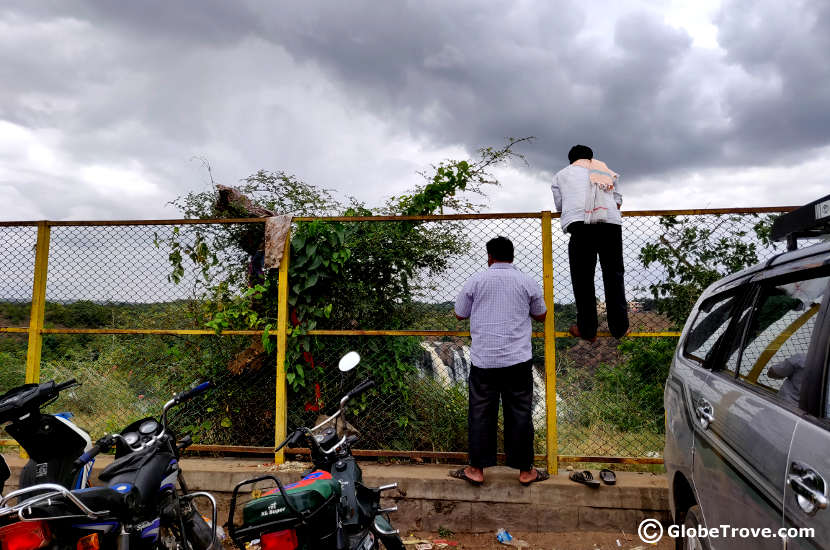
586,478
541,475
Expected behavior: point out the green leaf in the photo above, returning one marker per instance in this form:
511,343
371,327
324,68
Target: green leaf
226,422
315,263
311,281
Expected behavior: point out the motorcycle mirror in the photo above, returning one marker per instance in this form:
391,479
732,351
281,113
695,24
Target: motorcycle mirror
348,361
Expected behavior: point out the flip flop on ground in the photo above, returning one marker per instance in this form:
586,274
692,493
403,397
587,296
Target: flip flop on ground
608,476
585,478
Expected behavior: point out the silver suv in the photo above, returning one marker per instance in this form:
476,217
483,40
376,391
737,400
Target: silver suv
747,401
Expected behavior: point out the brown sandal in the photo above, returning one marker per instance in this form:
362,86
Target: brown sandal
585,478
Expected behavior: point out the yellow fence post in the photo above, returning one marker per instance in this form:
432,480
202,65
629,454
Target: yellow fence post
35,342
281,410
550,346
38,304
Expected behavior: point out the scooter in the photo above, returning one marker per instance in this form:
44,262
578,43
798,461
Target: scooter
52,441
139,505
330,508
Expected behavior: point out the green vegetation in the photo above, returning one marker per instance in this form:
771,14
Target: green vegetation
128,377
617,409
694,256
354,276
341,275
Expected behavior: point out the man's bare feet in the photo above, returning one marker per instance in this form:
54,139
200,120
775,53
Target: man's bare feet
526,477
573,330
476,474
473,476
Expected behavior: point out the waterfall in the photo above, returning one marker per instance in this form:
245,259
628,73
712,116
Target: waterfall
449,363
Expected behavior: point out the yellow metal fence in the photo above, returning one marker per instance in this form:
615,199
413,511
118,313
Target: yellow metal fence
105,307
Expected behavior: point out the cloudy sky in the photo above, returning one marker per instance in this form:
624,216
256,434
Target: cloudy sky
105,107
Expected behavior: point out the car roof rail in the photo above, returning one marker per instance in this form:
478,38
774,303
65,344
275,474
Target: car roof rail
807,222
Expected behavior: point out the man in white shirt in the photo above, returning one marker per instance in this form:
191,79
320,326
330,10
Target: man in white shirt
570,187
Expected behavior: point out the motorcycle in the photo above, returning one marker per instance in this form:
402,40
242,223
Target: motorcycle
52,441
5,474
138,507
328,508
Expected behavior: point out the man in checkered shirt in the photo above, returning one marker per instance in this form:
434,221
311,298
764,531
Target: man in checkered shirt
500,303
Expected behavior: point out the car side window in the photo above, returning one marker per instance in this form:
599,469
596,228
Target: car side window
776,343
711,322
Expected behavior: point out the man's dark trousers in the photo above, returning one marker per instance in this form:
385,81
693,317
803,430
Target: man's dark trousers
587,242
514,385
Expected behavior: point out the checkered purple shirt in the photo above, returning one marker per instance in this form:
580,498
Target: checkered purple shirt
499,303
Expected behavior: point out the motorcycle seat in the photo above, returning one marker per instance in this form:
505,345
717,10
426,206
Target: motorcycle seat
307,496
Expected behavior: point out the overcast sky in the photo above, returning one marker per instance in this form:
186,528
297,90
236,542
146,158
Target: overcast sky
104,105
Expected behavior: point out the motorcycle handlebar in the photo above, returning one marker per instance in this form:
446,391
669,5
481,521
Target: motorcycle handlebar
102,444
68,384
297,436
292,440
190,394
362,387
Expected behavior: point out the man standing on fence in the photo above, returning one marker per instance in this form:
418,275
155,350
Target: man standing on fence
500,303
587,195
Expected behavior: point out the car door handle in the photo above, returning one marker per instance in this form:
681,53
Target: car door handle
705,414
809,486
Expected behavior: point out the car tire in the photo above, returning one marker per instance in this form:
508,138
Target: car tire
693,520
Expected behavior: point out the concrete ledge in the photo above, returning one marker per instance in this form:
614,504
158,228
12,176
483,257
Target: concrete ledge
427,498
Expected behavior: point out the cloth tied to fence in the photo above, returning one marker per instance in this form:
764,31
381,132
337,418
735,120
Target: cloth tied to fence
277,229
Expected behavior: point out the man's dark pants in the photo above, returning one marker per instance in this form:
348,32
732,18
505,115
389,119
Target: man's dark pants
587,242
514,385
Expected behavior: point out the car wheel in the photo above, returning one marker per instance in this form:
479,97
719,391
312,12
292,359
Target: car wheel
694,519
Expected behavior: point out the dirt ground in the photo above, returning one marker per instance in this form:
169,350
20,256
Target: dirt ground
548,541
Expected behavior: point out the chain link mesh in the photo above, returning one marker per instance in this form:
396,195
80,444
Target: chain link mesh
124,277
17,262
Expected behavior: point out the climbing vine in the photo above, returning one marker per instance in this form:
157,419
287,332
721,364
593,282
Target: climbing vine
341,275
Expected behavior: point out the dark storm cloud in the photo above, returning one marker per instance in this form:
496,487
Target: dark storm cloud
784,104
317,88
474,74
516,72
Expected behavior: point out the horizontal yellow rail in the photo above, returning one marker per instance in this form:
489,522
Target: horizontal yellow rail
161,331
190,332
612,459
445,217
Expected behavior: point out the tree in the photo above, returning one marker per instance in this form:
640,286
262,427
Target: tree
693,257
341,275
